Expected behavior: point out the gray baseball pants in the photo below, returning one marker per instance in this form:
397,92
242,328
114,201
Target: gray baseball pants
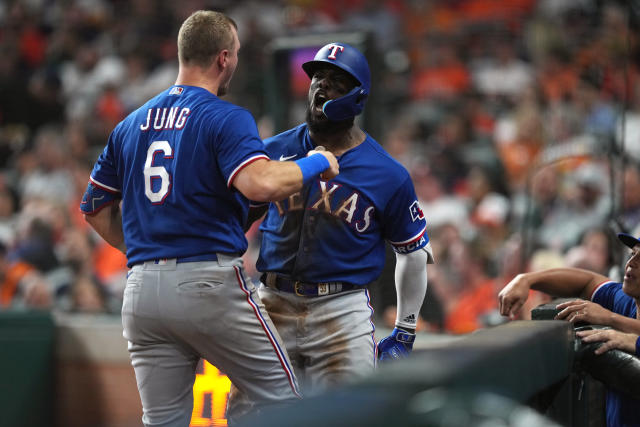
175,313
329,339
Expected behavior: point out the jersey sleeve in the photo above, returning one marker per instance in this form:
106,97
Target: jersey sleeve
610,296
238,144
104,174
405,227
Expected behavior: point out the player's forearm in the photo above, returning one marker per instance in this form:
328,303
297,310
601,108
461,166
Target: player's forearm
625,324
277,181
564,282
272,181
411,287
108,224
268,180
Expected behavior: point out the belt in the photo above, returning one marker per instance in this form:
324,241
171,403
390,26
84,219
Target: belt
305,289
194,258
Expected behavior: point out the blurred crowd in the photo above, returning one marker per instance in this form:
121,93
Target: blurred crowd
518,120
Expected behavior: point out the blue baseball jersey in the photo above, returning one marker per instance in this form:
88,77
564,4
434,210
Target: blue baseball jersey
621,409
172,161
335,230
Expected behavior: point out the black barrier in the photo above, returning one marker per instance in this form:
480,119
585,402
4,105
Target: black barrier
515,361
614,368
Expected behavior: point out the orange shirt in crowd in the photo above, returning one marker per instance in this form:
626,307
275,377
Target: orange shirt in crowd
108,261
440,82
15,273
464,316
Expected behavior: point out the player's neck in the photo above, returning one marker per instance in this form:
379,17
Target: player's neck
193,76
340,142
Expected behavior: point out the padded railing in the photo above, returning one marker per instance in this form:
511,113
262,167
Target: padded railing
509,364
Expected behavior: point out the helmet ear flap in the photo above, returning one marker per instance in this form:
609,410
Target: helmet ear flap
362,97
347,106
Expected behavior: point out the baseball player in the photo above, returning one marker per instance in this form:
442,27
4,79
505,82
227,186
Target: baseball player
170,189
323,245
605,302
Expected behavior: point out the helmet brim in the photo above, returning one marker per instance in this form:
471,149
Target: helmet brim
310,67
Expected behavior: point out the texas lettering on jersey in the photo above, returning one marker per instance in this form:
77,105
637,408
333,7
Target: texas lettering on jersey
336,230
335,199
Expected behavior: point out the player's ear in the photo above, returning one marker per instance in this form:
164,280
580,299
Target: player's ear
221,59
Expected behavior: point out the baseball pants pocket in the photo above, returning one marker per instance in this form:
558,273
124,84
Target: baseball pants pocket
198,286
130,300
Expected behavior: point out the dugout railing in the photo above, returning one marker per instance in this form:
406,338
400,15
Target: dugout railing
522,373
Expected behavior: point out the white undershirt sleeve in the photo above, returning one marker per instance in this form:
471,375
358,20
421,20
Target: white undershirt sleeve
411,285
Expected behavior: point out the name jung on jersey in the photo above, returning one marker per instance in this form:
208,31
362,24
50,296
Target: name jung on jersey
166,118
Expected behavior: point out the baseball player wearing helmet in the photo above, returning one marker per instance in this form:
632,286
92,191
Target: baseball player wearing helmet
323,245
164,192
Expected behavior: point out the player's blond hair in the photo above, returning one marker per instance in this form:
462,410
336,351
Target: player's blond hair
202,36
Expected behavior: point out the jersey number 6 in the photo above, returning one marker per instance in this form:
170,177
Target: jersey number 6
157,172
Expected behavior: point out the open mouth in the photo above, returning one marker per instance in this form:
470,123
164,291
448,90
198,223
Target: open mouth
318,101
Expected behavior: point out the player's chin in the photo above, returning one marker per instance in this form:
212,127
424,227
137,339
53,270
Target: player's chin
316,119
631,287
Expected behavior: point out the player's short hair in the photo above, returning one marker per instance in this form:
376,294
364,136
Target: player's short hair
203,35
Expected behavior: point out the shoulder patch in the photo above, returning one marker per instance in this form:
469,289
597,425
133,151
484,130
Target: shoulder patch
415,211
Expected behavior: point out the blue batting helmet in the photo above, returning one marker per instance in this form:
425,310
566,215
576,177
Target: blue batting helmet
351,60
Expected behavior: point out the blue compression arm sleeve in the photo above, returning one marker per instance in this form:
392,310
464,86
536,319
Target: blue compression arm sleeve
312,166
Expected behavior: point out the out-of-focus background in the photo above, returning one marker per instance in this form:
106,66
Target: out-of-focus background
518,120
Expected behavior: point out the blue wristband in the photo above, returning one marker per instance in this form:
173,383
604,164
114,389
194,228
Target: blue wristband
638,347
312,166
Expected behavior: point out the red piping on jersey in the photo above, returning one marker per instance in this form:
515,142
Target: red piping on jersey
406,242
598,287
104,187
243,165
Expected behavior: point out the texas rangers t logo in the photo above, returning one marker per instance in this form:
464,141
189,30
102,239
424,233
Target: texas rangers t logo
334,50
416,212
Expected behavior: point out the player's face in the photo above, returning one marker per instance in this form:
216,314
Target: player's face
327,83
232,63
631,282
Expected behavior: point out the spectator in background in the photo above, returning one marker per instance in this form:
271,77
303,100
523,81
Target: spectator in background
476,299
8,202
21,286
445,152
628,127
598,115
630,213
581,205
440,75
556,75
503,74
48,177
84,292
519,138
594,252
489,210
